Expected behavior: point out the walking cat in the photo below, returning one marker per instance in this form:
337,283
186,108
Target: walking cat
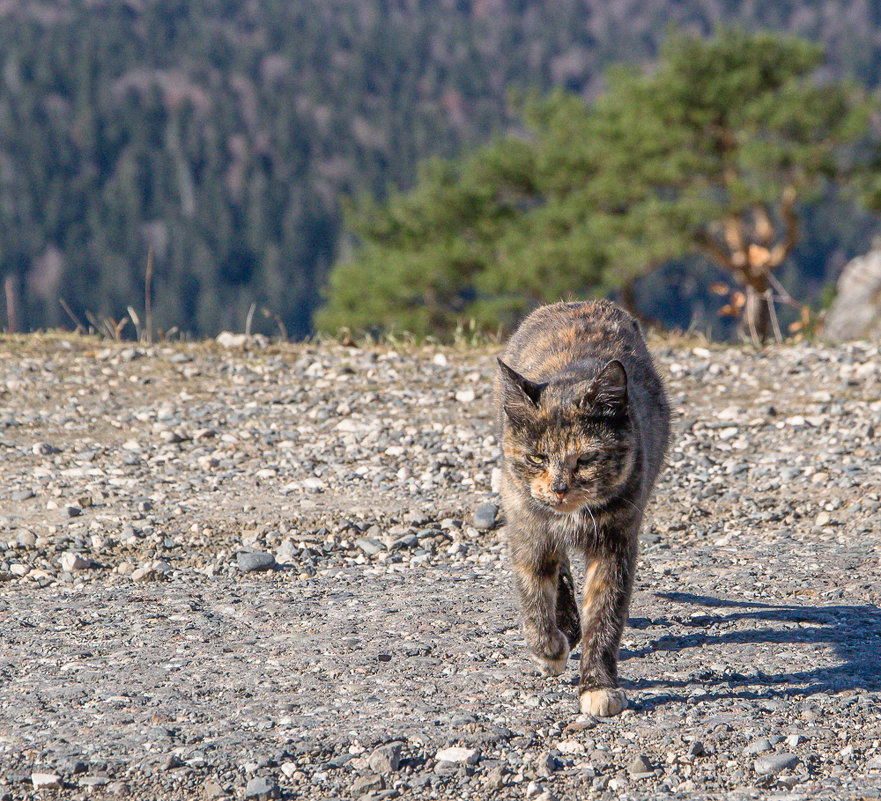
584,424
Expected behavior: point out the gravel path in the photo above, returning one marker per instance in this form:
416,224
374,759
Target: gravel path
258,573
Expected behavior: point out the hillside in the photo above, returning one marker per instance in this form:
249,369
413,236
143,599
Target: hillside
224,135
224,569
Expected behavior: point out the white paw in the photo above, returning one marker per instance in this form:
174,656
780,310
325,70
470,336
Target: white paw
603,703
553,667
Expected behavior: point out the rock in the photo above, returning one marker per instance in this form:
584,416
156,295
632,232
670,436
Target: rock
774,763
640,767
145,573
758,747
386,758
227,339
262,789
26,539
404,543
254,561
370,546
368,783
465,396
856,311
46,781
213,789
72,562
467,756
72,510
485,516
696,748
44,449
93,781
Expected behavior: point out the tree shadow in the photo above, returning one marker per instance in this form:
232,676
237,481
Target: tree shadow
854,632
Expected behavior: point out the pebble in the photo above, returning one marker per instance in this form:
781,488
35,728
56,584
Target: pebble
485,516
370,546
641,767
368,783
72,562
46,781
262,789
468,756
386,758
774,763
254,561
758,747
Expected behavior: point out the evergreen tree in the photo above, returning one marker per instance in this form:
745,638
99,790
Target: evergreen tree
708,152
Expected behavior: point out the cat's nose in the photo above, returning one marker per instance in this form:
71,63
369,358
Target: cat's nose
559,488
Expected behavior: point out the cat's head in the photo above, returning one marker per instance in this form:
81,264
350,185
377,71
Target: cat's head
569,443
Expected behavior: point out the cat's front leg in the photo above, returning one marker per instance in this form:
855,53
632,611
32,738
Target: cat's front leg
536,573
606,599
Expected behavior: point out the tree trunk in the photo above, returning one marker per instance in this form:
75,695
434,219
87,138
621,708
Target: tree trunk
755,321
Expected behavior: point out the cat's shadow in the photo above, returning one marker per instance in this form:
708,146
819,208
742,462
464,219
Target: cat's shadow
854,632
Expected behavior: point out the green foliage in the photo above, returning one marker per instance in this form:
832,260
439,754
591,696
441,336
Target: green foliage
706,151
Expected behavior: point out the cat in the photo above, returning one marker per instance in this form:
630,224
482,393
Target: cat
584,423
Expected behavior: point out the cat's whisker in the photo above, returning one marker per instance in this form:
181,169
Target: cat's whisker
596,531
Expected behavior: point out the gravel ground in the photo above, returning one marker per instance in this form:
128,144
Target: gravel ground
272,572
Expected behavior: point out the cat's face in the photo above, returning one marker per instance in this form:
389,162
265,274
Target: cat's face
569,446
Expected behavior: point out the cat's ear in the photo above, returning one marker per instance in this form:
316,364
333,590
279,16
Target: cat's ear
607,394
519,395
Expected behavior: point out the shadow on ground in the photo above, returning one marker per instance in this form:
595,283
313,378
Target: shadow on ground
854,632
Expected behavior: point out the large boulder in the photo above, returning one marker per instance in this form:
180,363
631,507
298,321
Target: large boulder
856,311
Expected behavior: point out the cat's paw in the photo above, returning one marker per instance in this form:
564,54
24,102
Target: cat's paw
603,703
554,663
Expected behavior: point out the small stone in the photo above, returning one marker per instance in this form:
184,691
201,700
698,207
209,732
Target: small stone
72,510
465,396
534,789
93,781
370,546
213,789
794,740
253,561
758,747
404,543
22,495
144,573
386,758
641,767
823,519
368,783
227,339
72,562
170,762
46,781
289,768
262,789
570,746
774,763
26,539
468,756
44,449
485,516
696,748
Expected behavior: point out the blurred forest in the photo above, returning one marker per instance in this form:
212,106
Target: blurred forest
223,136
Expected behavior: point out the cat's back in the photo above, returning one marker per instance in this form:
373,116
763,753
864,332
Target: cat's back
554,338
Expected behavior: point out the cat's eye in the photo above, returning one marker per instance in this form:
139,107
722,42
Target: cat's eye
536,458
586,459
